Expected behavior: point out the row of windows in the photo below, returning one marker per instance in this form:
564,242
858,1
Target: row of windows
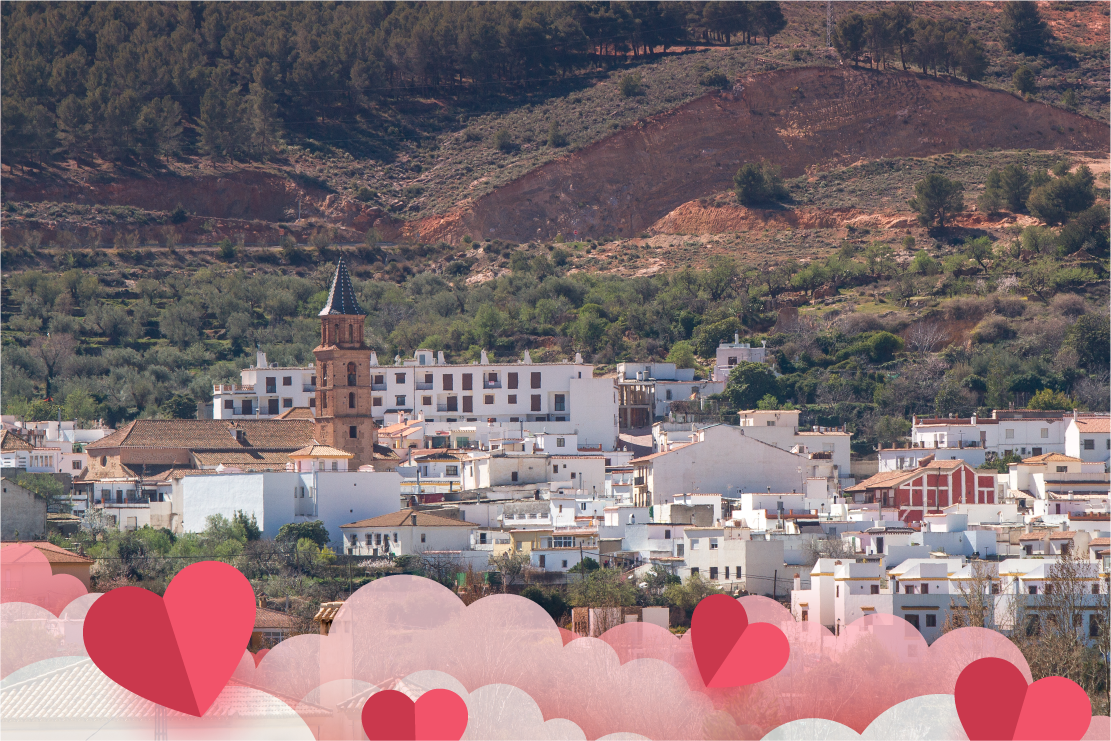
491,379
247,406
714,571
272,383
452,402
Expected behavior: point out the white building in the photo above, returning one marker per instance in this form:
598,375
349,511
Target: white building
662,384
1059,484
265,391
725,460
1020,432
407,532
731,558
729,355
281,498
1089,438
585,474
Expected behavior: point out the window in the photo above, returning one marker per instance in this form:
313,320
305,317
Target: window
1045,432
1009,434
1035,451
535,379
925,589
377,401
565,563
229,404
312,403
875,589
512,380
694,544
351,375
668,395
1032,590
713,544
667,535
287,380
487,398
271,385
714,573
560,442
913,620
449,382
468,381
453,403
353,431
468,403
542,560
560,403
805,616
380,380
395,537
491,377
427,376
399,377
679,548
451,470
76,465
272,406
248,406
931,621
287,403
536,402
1093,626
351,400
572,473
837,591
513,400
564,541
555,468
426,401
726,572
732,360
335,465
1089,444
513,476
400,400
378,539
908,589
694,570
422,538
312,380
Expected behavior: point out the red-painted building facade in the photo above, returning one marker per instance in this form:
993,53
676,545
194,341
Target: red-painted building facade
929,488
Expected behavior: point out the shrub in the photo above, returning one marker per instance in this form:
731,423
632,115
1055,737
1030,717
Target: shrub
178,215
759,183
631,85
227,249
556,138
714,79
936,198
1024,81
1048,399
1062,196
503,141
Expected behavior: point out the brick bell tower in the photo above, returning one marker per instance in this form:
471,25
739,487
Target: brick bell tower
343,374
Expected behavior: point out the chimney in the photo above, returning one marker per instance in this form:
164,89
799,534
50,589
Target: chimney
260,359
413,519
798,582
1029,527
736,338
974,418
1074,415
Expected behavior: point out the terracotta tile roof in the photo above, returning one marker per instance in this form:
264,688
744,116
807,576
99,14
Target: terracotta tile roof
267,618
1099,541
894,478
404,518
1034,536
53,553
248,460
1063,535
1052,458
10,441
400,429
1094,424
316,450
209,434
382,453
297,413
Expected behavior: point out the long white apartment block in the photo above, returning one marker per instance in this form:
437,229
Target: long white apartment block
265,391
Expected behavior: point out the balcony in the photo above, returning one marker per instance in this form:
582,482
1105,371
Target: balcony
232,388
491,384
308,388
377,387
421,386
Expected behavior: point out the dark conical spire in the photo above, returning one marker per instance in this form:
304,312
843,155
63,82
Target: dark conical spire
341,298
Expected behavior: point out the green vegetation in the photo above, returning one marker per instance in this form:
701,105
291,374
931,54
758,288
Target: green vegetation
937,199
759,184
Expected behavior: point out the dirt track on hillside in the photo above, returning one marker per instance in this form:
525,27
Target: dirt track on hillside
797,119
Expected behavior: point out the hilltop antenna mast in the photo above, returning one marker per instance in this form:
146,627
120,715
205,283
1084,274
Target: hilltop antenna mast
829,24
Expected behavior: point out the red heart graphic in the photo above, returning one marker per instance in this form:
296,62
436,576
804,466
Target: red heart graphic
994,702
729,651
437,715
178,650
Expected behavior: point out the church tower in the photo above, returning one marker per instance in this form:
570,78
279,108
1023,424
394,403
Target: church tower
343,412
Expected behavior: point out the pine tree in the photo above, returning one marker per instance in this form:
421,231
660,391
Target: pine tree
1024,31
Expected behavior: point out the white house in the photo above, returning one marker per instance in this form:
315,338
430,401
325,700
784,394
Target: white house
725,460
1089,438
407,532
731,558
281,498
265,391
317,457
583,473
1020,432
729,355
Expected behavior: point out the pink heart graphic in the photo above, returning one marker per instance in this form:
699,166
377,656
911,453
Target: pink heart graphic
994,702
437,715
26,576
178,650
729,651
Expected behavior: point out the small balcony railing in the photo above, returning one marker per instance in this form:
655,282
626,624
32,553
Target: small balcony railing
421,386
491,384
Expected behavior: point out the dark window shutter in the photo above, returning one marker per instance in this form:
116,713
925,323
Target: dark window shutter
536,402
467,381
536,380
448,381
512,380
468,403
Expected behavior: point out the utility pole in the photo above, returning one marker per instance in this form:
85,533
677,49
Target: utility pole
582,566
829,24
775,583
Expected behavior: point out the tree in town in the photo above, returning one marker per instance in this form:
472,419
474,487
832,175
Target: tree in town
937,199
602,588
512,566
54,351
686,595
1051,399
179,406
294,532
249,525
551,600
748,383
